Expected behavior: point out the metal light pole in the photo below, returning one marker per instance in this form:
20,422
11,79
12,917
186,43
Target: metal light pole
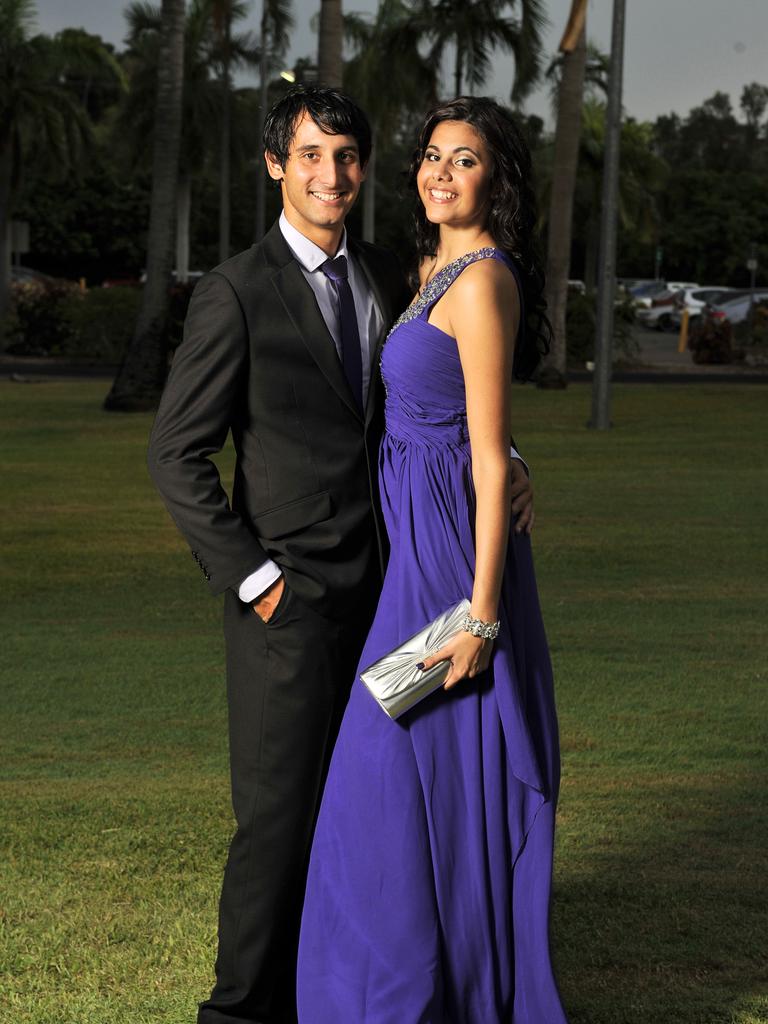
606,292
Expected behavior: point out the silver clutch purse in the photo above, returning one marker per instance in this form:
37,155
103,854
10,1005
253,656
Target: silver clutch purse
395,681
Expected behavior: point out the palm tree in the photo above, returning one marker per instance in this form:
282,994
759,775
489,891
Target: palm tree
231,52
205,100
475,27
276,21
387,51
330,63
566,157
641,178
40,115
140,379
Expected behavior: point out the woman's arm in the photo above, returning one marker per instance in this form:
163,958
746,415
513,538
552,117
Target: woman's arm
482,308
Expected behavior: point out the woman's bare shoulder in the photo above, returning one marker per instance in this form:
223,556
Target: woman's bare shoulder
486,281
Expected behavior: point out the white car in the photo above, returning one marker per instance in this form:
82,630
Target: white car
695,299
657,312
735,307
642,294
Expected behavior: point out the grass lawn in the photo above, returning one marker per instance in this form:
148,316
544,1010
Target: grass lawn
114,818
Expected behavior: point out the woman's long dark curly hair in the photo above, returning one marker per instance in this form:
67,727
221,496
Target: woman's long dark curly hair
512,215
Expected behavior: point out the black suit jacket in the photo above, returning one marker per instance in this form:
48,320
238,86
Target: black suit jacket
258,359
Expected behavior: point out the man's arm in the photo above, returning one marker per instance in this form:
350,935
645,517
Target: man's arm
521,493
197,408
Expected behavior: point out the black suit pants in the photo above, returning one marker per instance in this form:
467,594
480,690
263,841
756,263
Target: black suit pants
288,682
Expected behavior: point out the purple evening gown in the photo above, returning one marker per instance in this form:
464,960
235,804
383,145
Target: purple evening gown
429,883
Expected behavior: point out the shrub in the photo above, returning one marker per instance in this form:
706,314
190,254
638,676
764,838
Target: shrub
711,341
755,340
581,328
101,323
97,325
36,326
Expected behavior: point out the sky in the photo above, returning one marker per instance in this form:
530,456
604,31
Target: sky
677,52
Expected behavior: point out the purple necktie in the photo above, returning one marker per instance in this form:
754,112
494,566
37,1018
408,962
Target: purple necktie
351,356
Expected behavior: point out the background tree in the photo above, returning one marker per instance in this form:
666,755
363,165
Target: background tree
714,205
276,23
140,379
229,54
207,102
573,61
387,50
474,28
330,61
42,118
754,101
642,176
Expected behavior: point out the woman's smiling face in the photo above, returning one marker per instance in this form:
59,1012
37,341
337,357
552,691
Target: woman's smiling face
455,176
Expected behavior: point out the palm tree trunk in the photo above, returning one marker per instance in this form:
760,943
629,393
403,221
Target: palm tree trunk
261,177
330,64
6,175
566,157
226,147
369,200
183,209
458,69
140,379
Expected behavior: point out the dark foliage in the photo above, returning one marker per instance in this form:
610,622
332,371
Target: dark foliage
94,227
581,328
715,204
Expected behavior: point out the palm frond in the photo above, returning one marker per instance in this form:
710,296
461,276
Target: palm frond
18,19
81,52
142,17
280,21
528,48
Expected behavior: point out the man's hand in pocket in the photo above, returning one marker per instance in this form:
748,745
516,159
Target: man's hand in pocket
265,605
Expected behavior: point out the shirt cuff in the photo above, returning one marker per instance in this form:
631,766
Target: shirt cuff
253,586
515,454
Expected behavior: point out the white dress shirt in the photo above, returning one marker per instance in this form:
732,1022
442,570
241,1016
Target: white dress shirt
370,322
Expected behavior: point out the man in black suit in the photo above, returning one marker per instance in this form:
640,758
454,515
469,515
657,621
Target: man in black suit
281,348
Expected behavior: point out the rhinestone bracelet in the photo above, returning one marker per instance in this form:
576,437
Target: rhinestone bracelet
485,630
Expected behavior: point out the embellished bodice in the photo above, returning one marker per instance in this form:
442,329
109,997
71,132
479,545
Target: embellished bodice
423,380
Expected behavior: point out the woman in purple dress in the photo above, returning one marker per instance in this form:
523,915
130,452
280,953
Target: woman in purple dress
429,883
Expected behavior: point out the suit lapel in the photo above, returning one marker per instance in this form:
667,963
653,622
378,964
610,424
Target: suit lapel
301,307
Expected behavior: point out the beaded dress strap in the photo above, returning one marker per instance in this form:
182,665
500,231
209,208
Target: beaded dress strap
420,308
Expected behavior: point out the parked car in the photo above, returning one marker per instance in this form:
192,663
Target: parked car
658,311
658,314
626,284
643,294
26,275
192,276
694,300
735,307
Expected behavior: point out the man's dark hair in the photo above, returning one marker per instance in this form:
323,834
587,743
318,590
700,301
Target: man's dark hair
332,111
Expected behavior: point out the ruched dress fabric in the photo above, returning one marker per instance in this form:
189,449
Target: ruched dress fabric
429,882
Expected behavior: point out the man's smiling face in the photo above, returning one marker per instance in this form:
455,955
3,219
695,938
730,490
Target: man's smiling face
320,181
